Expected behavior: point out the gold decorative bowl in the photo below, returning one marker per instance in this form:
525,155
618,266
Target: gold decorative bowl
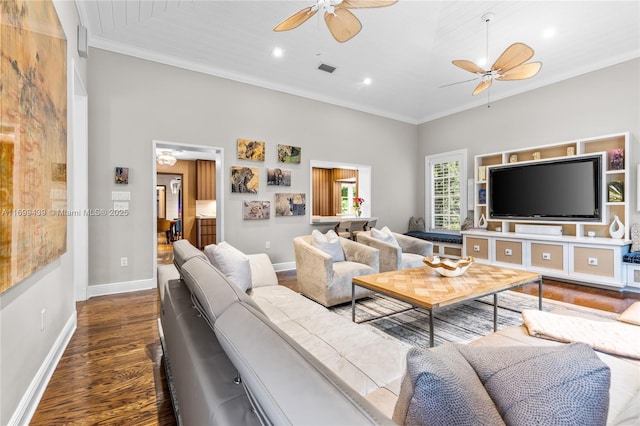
449,267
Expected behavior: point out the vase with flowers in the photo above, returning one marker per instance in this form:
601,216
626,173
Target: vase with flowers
357,203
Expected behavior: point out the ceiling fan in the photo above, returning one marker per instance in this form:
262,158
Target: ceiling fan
511,65
342,24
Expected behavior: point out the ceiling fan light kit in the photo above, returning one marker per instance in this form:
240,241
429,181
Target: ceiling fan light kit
511,65
342,23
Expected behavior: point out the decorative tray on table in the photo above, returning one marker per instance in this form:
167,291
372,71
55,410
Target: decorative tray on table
449,267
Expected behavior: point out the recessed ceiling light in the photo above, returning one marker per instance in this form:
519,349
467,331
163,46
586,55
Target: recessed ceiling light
277,52
482,62
367,81
549,32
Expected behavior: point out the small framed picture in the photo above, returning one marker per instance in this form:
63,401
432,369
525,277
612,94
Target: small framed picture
250,150
256,210
616,159
289,154
280,177
122,175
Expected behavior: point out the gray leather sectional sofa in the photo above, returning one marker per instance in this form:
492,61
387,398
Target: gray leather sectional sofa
230,364
272,356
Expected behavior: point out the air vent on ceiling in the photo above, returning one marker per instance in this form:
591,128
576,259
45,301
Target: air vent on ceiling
327,68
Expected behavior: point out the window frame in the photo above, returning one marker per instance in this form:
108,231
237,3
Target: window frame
429,162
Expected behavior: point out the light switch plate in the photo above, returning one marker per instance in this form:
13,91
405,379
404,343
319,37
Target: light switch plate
121,206
120,195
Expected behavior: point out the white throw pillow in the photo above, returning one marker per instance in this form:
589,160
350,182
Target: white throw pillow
329,243
385,235
231,262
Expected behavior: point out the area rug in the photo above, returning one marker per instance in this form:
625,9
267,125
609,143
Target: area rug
460,324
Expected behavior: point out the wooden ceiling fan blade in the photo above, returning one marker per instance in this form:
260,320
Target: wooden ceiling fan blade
342,24
514,55
484,85
296,19
360,4
468,66
521,72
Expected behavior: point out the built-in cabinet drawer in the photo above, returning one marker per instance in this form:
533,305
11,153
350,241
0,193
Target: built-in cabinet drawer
477,247
593,261
206,229
508,251
547,256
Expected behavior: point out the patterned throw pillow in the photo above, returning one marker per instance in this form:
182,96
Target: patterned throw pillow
565,384
441,388
635,237
329,243
416,224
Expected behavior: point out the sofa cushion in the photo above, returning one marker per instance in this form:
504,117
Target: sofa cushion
183,250
385,235
544,385
631,315
441,388
212,290
276,371
411,260
328,243
231,262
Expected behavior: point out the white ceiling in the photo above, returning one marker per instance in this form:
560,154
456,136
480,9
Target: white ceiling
406,49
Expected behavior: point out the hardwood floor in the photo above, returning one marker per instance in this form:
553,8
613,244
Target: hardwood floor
112,371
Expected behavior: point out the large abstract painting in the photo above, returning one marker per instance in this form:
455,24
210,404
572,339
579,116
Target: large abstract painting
33,139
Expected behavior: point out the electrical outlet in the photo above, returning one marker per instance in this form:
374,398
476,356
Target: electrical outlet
546,256
124,261
267,244
42,319
593,261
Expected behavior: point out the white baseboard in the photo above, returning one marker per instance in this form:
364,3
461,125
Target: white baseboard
123,287
31,398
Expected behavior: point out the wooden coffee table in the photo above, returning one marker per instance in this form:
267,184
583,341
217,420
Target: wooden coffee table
424,288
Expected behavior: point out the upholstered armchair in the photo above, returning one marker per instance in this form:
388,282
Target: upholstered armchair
407,253
327,282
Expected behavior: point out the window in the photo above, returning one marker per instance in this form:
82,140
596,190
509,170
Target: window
446,190
348,192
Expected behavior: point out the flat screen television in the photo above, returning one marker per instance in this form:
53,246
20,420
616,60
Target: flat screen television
566,189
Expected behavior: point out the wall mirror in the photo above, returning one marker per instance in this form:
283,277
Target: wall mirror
333,187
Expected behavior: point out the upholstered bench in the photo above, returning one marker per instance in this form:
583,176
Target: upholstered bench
449,245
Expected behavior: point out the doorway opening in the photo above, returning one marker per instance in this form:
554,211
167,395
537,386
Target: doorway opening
177,198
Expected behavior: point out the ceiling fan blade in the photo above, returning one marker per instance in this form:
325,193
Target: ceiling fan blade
360,4
514,55
468,66
296,19
458,82
482,86
342,24
521,72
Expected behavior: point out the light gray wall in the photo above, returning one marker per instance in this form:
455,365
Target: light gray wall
25,350
133,102
594,104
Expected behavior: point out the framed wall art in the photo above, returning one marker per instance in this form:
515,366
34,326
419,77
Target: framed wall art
122,175
256,210
33,140
250,150
289,154
279,177
244,179
291,204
